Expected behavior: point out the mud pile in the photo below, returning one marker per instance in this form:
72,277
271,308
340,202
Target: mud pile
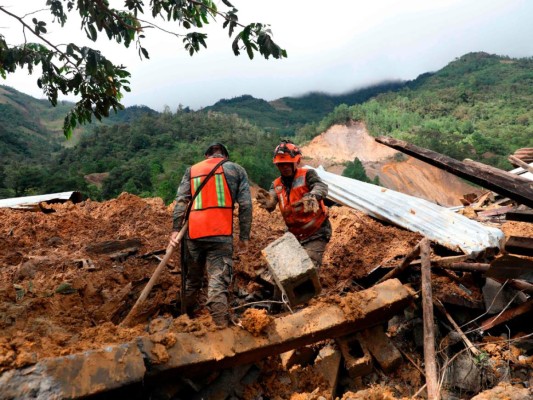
58,296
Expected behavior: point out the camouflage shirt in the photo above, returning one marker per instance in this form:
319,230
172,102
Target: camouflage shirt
240,193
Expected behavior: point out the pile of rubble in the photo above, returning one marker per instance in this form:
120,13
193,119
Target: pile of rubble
395,313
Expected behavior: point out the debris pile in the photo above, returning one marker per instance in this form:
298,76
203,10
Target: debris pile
69,277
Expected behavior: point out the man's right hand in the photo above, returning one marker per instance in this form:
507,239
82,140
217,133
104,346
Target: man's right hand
265,199
173,238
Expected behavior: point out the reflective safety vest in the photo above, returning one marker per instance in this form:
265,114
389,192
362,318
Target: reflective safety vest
212,209
301,224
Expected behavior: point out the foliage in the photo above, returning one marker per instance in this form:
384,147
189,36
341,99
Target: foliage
146,152
356,170
86,72
146,157
286,115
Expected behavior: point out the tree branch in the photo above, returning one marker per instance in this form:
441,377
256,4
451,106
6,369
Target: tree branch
26,26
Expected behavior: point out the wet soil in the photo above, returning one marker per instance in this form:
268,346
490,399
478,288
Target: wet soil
57,297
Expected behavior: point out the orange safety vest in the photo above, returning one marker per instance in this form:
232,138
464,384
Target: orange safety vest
300,224
212,210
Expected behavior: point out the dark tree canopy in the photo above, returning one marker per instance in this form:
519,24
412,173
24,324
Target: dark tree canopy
86,72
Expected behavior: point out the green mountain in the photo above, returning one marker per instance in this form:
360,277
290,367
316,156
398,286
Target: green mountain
285,115
479,106
29,128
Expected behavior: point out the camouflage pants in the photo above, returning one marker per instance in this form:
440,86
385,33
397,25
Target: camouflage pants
315,245
315,249
215,260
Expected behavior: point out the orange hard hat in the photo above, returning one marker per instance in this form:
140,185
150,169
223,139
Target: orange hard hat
287,152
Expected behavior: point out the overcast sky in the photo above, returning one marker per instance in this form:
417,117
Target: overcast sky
333,46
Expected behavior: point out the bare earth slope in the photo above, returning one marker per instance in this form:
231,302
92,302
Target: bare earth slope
340,144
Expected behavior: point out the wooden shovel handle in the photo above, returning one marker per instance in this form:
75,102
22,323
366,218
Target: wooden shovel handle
153,279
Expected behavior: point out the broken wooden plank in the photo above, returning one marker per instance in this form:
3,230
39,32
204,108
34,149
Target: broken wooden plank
497,172
429,324
466,267
473,349
112,246
516,188
524,216
511,267
508,315
519,163
519,245
495,212
227,348
481,200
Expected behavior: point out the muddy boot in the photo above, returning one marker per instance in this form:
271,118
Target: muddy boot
219,313
191,307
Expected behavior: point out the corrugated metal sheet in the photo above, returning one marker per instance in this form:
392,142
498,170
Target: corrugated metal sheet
523,173
439,224
16,202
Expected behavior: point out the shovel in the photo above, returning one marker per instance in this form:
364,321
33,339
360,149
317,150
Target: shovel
146,291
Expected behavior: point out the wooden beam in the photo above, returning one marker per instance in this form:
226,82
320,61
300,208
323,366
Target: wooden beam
519,245
466,267
516,188
496,211
230,347
145,358
516,161
524,216
517,284
429,324
495,171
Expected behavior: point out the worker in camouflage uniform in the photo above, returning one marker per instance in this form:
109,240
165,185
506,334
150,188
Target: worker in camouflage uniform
209,238
300,194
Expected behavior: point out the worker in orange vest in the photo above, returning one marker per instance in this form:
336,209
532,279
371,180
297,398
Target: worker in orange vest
206,197
300,194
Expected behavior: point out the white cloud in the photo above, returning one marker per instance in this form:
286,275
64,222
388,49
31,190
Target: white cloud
333,46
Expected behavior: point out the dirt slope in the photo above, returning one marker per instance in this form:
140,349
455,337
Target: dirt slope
395,171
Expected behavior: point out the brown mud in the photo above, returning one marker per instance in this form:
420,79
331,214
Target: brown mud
59,298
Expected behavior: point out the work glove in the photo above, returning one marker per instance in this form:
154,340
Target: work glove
309,203
265,199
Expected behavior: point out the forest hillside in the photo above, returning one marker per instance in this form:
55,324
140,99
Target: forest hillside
478,107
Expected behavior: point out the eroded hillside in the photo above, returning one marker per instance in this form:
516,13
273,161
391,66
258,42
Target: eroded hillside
396,171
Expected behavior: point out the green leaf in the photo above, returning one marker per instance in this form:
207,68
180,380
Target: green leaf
92,33
65,288
250,52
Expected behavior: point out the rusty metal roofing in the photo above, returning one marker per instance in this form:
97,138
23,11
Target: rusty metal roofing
439,224
22,202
